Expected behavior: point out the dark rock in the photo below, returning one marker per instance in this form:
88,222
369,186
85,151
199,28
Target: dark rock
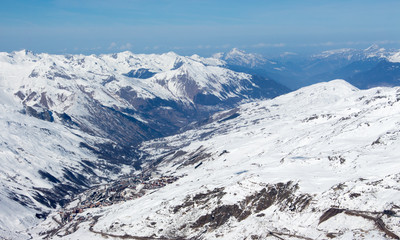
198,165
330,213
48,176
42,215
141,73
389,212
20,94
65,117
233,116
206,99
354,195
44,115
281,194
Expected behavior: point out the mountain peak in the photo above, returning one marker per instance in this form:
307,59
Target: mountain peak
337,84
241,58
236,51
171,54
395,58
373,47
322,93
334,52
24,52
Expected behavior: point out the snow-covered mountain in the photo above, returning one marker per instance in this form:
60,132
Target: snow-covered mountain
146,95
44,163
70,122
373,51
364,68
356,60
241,58
257,64
317,163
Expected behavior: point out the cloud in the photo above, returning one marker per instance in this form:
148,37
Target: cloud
112,45
125,46
203,47
177,48
387,42
156,47
348,43
323,44
264,45
371,42
224,46
288,54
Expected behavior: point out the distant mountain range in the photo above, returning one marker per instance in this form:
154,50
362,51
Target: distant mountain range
364,68
150,95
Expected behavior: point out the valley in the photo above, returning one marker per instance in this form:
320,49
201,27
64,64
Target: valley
130,146
276,170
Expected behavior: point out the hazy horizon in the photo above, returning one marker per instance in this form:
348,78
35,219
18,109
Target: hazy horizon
196,27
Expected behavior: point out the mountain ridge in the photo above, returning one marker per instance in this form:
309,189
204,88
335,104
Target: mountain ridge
190,86
360,67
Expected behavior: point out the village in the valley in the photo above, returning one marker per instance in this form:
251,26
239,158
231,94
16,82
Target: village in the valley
127,188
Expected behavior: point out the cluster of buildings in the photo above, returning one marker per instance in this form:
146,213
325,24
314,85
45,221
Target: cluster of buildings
160,182
125,189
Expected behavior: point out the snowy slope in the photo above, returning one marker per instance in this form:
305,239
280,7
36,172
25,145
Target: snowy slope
101,92
395,57
317,163
72,121
42,163
237,59
241,58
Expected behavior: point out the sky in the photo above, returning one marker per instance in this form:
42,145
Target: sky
203,27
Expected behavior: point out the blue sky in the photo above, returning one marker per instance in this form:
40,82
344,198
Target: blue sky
196,26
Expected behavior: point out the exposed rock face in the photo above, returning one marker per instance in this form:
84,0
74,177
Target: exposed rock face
281,194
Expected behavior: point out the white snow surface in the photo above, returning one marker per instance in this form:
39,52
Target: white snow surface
28,145
338,143
241,58
70,84
374,51
395,58
65,81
